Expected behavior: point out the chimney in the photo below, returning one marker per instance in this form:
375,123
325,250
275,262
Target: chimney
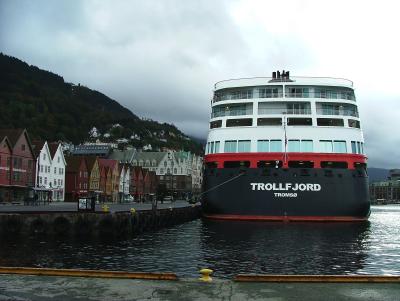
278,74
274,75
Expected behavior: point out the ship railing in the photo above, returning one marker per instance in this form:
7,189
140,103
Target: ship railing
299,111
337,112
322,95
231,113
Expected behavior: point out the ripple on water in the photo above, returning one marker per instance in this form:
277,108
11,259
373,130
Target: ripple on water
230,248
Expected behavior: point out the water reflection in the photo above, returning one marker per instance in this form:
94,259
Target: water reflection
228,248
285,248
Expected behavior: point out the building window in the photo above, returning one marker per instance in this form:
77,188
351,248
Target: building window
44,156
230,146
276,145
175,171
45,180
339,147
244,146
55,170
263,146
325,146
23,147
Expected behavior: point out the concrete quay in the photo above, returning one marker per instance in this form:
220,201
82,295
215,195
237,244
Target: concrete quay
63,219
23,287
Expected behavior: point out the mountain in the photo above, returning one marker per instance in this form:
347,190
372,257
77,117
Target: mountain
52,109
377,174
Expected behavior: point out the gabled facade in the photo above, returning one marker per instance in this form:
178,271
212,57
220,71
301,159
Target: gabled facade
22,165
124,182
112,178
76,178
5,168
94,175
58,166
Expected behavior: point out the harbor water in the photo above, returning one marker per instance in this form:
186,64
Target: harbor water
227,247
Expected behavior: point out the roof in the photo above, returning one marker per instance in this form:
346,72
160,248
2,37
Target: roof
107,163
101,150
53,146
2,138
158,156
90,160
73,163
122,156
37,146
12,134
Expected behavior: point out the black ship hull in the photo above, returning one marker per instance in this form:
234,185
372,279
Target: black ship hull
288,194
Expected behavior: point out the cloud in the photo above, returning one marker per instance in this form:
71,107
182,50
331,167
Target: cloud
161,58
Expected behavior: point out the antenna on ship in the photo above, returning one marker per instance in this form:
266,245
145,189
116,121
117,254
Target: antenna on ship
285,155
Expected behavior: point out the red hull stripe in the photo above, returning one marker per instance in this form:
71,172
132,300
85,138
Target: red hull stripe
286,218
253,158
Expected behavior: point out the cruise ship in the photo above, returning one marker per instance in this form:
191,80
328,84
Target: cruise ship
285,148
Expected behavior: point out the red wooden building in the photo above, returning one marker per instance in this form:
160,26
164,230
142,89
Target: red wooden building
17,173
76,178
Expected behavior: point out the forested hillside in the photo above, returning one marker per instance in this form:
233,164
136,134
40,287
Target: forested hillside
52,109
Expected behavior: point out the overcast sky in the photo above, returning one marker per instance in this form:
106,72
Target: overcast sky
161,58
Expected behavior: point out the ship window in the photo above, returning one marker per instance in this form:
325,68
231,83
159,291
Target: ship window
243,146
353,147
334,108
232,110
263,145
211,164
330,122
215,124
230,146
339,147
359,165
269,121
216,150
269,92
301,164
294,146
325,146
362,148
307,146
334,164
275,145
358,147
269,164
299,121
239,122
295,108
298,92
212,148
354,123
236,164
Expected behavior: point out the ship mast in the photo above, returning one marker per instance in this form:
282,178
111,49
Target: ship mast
285,155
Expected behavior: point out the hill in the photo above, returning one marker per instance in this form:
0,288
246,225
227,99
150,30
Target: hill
52,109
377,174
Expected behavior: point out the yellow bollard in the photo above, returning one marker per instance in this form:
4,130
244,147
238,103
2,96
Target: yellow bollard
205,275
133,210
105,208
